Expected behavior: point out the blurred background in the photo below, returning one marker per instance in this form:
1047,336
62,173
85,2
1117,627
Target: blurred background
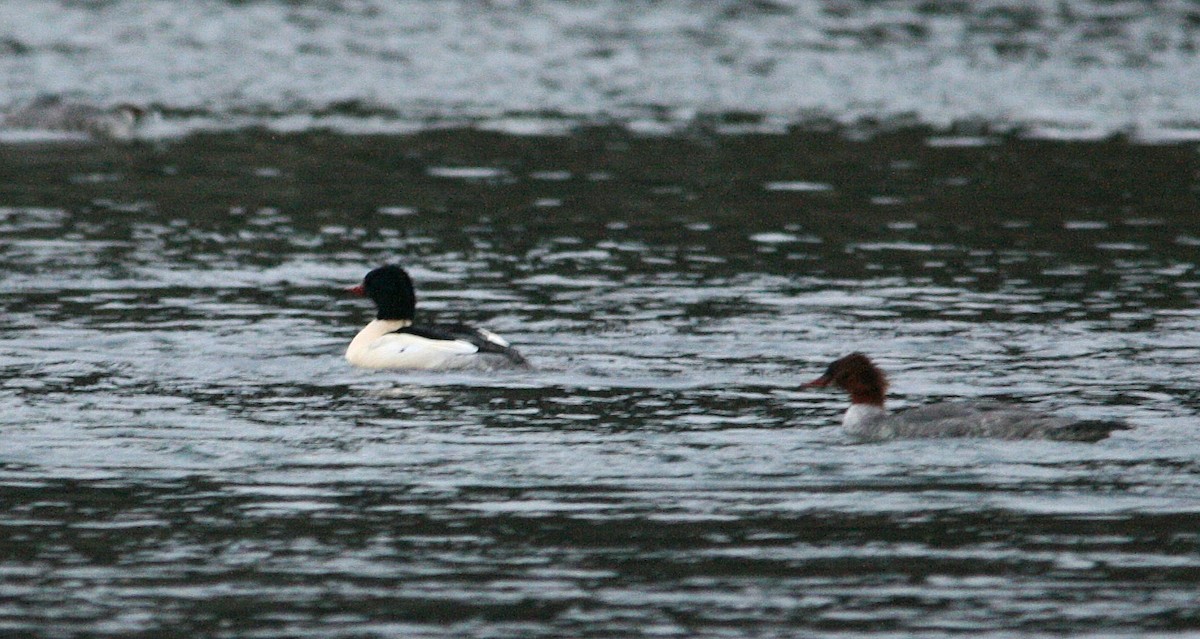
1085,66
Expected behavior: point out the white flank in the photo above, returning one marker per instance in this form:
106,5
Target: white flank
379,346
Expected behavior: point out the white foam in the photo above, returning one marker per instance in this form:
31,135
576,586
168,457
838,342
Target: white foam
467,172
800,186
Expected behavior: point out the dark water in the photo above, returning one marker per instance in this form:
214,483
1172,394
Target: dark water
186,453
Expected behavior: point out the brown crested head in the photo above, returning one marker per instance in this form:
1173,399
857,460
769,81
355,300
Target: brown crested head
858,375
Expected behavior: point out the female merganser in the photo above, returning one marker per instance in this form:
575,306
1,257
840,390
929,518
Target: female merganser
867,419
393,341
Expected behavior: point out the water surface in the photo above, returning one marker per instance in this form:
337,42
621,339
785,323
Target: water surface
1063,68
186,452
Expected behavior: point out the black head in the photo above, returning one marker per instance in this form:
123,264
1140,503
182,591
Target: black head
391,289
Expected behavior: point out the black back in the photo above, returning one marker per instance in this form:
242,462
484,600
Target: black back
466,334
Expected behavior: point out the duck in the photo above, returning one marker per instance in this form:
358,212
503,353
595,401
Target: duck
867,418
394,340
53,113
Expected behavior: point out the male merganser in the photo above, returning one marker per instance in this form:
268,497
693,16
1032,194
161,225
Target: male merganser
393,341
867,419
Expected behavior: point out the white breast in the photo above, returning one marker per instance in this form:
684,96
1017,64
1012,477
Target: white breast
863,420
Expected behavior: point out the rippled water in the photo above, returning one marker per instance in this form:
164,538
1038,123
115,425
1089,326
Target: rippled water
186,452
1060,67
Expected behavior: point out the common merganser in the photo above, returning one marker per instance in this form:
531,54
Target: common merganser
52,113
393,341
867,418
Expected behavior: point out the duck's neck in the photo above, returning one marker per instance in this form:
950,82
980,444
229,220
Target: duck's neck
376,329
867,396
357,351
392,313
866,406
859,416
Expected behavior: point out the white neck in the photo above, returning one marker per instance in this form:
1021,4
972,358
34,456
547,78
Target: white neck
859,416
387,326
371,332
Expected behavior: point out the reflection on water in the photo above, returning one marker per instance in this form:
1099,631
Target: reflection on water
187,452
